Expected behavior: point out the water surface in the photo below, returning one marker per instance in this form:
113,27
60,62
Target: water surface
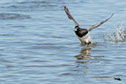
38,44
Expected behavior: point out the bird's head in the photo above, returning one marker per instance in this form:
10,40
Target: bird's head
76,27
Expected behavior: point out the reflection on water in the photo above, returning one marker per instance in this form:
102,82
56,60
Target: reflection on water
85,53
84,56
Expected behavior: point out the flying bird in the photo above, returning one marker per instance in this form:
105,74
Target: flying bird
83,34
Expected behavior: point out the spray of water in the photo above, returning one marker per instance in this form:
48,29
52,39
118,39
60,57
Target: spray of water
117,36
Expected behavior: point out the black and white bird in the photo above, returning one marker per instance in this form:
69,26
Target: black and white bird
83,34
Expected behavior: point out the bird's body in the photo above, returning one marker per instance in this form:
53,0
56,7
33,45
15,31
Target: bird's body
85,39
83,34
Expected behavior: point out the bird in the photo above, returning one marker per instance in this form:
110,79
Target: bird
83,34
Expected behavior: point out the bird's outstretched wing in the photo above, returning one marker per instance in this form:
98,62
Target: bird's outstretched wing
70,16
89,29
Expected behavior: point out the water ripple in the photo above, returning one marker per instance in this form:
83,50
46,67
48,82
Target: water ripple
38,44
13,16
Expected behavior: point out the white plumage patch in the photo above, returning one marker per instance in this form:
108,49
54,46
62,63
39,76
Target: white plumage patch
85,39
75,29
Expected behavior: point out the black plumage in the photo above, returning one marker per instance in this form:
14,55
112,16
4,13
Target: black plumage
81,32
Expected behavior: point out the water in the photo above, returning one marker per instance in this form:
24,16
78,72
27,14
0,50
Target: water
116,36
38,44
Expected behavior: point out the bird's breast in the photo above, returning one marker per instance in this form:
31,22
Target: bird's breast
85,39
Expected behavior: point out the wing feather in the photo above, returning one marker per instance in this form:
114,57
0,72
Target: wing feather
70,16
89,29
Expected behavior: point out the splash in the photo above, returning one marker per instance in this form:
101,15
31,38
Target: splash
117,36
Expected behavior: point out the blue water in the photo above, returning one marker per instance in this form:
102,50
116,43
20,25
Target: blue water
38,44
